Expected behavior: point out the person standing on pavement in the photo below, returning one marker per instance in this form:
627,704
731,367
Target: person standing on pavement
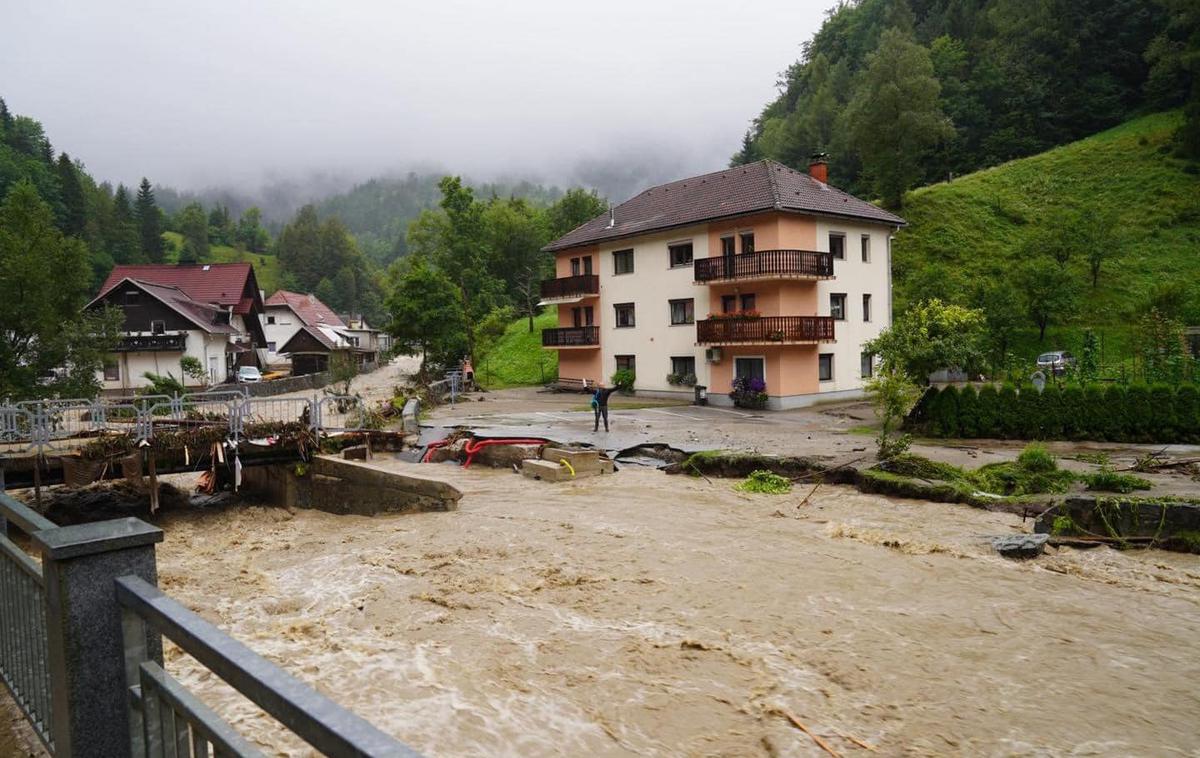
600,405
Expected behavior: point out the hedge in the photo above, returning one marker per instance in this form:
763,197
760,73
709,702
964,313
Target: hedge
1137,413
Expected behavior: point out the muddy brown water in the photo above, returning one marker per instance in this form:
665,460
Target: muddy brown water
648,614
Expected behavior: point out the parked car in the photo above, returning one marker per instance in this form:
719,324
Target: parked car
249,374
1056,362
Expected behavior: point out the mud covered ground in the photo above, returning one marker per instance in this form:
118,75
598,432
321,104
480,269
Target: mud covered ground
647,614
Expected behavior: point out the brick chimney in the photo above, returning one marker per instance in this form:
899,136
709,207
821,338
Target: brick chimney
818,167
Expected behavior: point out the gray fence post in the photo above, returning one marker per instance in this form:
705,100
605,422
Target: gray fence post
90,698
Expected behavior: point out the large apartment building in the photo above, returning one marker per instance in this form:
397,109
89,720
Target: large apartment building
755,271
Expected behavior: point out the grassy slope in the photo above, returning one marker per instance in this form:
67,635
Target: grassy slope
1123,178
518,357
266,267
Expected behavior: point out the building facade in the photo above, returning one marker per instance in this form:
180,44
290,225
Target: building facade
208,312
284,314
757,271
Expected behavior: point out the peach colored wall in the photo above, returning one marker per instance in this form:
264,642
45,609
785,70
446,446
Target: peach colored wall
581,363
772,231
788,298
797,232
562,260
790,370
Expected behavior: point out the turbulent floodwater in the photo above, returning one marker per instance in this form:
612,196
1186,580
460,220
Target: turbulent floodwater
642,613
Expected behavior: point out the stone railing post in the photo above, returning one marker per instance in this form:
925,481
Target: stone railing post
84,632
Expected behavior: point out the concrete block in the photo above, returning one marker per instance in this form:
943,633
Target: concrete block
583,461
545,470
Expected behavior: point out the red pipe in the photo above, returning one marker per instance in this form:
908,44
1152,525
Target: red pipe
474,446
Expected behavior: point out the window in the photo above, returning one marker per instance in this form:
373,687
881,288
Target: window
868,365
622,261
748,302
866,248
575,267
681,254
587,265
867,308
747,242
584,316
270,347
727,246
837,306
837,245
825,367
158,327
683,365
131,298
112,369
752,368
683,312
624,314
270,319
627,363
728,303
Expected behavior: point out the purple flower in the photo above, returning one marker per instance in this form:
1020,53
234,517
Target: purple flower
757,385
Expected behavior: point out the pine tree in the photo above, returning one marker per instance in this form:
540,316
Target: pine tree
123,242
74,203
149,223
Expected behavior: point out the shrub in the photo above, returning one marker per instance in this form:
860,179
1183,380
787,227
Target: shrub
749,392
1051,415
1187,413
1071,412
1111,417
192,368
987,412
623,379
944,413
918,418
1137,413
1029,413
767,483
1163,425
968,412
1010,425
1107,480
1036,458
1091,418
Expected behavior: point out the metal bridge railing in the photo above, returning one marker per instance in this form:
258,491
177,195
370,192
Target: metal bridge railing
57,425
24,654
170,721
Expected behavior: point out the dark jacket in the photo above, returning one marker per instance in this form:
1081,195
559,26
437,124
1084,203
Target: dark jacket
600,396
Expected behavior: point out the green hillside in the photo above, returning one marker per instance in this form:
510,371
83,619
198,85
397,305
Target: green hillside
518,357
1123,184
266,267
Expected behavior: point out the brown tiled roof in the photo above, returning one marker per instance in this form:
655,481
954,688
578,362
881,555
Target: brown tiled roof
752,188
308,308
202,315
219,283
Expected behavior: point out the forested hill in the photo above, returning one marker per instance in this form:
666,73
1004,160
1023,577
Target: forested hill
902,93
1090,234
378,212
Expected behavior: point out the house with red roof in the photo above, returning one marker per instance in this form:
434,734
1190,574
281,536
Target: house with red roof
208,311
302,334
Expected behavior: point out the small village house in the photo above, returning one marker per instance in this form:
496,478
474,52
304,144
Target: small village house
757,271
207,311
284,314
304,334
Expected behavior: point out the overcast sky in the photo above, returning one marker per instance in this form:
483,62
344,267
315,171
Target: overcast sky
195,94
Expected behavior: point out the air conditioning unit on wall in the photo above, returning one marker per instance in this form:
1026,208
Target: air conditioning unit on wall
712,355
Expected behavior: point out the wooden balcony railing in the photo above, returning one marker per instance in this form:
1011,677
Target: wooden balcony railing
766,329
152,343
571,286
764,264
571,336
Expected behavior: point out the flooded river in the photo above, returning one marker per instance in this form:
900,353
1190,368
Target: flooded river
647,614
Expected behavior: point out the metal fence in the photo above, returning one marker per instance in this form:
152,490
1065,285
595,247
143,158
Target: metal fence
81,653
24,662
58,425
170,721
